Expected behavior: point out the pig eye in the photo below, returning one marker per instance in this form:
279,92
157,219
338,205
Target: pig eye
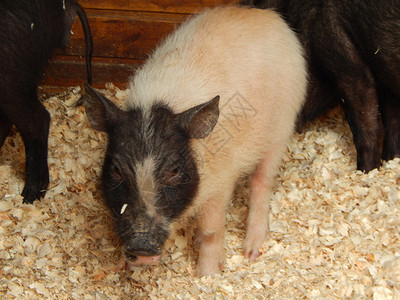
176,171
172,176
115,173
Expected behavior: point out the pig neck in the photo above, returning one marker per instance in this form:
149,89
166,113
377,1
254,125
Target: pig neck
214,167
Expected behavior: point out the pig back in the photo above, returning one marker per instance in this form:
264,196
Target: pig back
252,60
30,31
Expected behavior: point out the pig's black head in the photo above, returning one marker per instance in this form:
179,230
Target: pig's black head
149,175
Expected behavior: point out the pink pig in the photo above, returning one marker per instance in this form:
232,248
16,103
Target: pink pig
174,152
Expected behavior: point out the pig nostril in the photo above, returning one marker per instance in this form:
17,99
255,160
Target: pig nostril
141,253
135,251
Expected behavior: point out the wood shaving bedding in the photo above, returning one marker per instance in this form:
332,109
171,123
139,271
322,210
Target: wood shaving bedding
334,230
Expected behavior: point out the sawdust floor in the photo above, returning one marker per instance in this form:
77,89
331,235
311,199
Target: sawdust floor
334,231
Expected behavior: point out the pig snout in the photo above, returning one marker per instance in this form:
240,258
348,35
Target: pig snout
143,251
143,239
144,260
142,257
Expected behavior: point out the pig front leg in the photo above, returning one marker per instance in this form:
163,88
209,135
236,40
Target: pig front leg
32,121
36,169
258,218
36,143
211,234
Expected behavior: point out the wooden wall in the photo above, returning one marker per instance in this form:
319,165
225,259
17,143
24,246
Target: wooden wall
124,32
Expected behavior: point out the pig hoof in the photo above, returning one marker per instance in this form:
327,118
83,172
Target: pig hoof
366,165
252,255
253,243
35,187
30,195
251,250
209,269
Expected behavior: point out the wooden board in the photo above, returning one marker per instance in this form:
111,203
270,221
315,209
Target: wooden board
69,71
182,6
124,33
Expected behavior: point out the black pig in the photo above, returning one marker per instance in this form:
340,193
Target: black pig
29,32
353,48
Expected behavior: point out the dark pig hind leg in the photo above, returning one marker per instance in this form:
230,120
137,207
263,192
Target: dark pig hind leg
390,112
32,121
342,62
5,126
362,113
357,87
322,96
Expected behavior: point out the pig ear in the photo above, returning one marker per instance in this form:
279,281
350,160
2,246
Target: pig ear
199,121
100,111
